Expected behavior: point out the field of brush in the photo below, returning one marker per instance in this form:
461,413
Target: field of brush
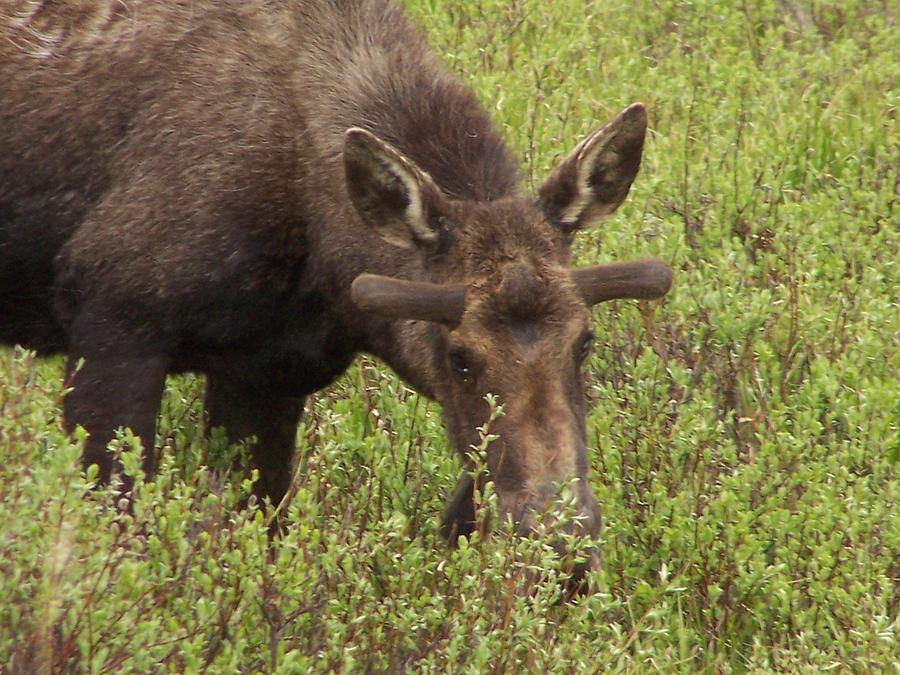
743,431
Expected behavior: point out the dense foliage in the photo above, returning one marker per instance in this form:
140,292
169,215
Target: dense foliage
744,431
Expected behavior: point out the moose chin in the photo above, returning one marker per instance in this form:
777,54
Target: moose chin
260,191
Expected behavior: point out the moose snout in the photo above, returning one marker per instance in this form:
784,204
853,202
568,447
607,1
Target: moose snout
564,514
551,509
557,509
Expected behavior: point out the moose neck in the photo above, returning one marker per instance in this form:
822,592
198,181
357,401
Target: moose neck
381,76
438,124
366,66
407,347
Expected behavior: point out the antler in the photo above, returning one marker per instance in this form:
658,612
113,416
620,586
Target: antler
423,301
401,299
641,279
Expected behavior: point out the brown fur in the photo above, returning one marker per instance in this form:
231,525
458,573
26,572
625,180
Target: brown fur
178,192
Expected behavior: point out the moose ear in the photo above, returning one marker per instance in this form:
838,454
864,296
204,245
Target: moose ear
391,194
594,179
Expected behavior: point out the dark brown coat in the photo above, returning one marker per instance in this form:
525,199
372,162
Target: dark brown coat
195,185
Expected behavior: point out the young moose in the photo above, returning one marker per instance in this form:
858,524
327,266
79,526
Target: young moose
257,191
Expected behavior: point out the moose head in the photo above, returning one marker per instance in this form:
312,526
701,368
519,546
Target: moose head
504,312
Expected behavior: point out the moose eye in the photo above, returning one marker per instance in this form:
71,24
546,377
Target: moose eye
460,363
585,345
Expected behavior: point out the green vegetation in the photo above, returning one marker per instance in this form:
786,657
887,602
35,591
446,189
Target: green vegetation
744,432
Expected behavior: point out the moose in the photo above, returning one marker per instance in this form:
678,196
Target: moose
259,191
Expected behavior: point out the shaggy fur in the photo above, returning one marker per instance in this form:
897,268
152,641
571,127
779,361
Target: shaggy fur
178,191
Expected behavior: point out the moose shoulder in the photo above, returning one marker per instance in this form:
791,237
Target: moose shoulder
259,191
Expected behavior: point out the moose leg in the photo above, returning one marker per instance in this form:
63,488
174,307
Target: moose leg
114,387
246,412
459,514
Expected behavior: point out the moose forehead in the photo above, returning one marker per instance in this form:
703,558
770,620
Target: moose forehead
489,235
526,304
514,264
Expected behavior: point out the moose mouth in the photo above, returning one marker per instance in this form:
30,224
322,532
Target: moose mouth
568,525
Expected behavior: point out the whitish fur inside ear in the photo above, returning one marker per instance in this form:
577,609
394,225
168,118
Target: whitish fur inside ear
414,215
388,173
597,156
584,193
590,184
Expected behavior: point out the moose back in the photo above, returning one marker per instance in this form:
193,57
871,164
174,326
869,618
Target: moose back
258,191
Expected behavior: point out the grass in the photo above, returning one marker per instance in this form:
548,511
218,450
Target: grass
744,431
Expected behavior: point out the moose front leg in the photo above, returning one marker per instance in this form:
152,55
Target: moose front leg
114,388
246,412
